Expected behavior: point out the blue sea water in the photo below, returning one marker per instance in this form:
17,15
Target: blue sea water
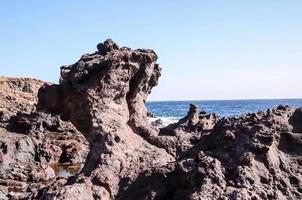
173,110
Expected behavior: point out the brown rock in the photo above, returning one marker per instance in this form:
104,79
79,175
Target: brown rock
17,95
254,156
103,94
43,173
199,157
30,141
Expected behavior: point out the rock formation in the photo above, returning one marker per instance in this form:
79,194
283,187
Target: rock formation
17,95
31,142
202,156
103,95
255,156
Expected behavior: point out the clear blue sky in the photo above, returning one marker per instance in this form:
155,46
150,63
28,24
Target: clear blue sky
214,49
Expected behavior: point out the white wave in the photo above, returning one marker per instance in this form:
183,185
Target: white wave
165,120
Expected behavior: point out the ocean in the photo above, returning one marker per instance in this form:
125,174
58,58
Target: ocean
171,111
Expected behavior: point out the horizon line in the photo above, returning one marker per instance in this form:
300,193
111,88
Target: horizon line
244,99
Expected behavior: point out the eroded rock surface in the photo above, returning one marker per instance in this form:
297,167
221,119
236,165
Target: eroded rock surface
255,156
104,95
202,156
17,95
31,141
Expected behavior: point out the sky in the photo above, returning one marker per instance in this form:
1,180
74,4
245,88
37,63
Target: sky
214,49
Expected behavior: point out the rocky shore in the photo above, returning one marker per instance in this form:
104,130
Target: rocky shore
32,143
96,116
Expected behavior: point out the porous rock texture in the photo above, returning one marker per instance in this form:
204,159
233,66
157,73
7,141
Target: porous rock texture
255,156
31,142
18,95
103,95
203,156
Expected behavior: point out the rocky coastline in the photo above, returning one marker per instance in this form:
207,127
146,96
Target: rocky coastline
95,122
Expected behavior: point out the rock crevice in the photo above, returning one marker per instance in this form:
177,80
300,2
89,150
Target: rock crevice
103,95
202,156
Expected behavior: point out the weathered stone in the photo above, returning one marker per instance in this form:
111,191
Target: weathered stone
31,141
202,156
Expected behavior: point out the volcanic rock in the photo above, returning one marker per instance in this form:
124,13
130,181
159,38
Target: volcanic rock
103,95
17,95
157,123
202,156
255,156
31,141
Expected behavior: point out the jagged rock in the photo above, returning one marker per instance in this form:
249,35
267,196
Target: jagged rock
17,95
107,46
296,120
193,122
43,173
185,133
249,157
157,123
202,156
103,95
31,141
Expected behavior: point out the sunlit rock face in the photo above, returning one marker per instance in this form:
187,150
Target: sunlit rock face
103,95
203,156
